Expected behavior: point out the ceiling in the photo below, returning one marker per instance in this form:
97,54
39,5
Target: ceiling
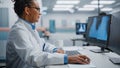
49,4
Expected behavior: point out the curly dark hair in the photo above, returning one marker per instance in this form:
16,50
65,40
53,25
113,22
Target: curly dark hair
20,5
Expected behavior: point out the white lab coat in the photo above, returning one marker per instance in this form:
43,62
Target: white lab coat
25,48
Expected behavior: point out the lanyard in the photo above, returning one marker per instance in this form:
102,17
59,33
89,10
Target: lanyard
43,47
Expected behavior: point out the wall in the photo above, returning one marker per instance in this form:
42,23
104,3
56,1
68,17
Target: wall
12,15
70,18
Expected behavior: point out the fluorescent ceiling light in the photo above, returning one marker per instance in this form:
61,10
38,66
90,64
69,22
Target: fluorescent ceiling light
67,2
71,10
61,9
103,2
62,6
86,9
106,9
92,6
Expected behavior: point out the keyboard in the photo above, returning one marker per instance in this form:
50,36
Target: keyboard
113,57
69,53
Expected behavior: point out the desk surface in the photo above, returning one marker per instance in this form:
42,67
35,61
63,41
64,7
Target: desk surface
98,60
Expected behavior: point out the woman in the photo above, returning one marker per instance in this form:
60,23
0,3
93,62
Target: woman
25,49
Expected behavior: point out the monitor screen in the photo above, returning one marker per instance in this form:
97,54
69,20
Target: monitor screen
103,30
81,28
91,31
98,31
114,39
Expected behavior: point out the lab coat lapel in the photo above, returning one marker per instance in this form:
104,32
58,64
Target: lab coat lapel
36,36
34,33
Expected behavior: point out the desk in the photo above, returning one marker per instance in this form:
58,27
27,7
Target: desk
98,60
77,39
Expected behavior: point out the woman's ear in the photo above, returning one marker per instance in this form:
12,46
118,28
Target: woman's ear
26,10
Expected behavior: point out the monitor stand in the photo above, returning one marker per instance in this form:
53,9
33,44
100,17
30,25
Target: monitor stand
101,50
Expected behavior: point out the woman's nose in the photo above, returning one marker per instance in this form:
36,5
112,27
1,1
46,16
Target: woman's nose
40,13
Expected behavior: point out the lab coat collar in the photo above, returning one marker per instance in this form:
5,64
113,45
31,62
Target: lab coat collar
32,24
34,32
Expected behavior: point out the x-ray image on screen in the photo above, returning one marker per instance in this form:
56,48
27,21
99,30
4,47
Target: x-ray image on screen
80,28
98,32
93,30
102,32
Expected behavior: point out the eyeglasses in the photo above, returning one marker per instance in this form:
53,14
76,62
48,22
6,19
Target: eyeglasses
38,9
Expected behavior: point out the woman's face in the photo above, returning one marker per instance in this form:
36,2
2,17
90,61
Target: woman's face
33,13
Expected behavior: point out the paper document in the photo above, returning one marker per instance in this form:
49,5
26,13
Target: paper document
57,66
81,66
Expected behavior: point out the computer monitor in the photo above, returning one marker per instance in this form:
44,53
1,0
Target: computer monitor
114,39
98,32
91,29
81,28
103,30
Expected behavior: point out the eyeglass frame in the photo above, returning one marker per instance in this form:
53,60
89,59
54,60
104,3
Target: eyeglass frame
37,8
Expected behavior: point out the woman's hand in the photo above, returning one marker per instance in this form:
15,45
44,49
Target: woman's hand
80,59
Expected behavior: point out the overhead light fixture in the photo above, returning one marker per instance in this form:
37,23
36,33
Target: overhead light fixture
86,9
103,2
68,1
61,9
62,6
106,9
92,6
71,10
